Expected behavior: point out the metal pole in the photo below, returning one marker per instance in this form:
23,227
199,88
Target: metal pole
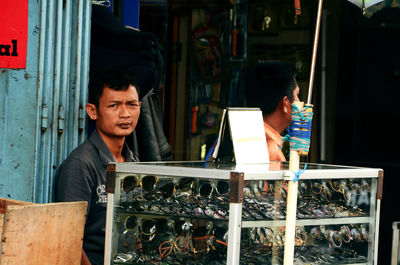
314,55
291,208
323,86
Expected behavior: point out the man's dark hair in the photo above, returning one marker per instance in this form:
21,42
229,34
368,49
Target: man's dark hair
115,78
268,83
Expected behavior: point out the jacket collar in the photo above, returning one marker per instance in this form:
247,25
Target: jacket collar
105,154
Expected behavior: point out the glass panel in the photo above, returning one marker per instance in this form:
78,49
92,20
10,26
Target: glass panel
263,200
334,198
170,219
333,221
327,198
314,244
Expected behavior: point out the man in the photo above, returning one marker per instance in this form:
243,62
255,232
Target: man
114,106
272,87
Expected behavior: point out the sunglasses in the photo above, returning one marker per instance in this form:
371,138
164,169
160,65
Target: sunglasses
130,223
147,183
207,188
183,186
146,227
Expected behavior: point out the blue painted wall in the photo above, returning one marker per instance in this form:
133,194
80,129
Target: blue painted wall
41,106
18,104
42,115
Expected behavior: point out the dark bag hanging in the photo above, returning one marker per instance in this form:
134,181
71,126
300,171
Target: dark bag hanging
113,45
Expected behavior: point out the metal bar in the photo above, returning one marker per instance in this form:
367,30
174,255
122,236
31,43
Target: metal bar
109,228
235,220
40,78
291,209
85,67
376,239
235,217
65,71
56,99
173,171
45,149
395,244
314,55
323,87
309,222
71,82
78,75
373,225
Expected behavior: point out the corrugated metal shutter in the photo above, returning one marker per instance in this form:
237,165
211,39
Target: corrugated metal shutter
42,114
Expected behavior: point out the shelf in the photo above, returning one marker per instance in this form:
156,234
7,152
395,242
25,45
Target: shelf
307,222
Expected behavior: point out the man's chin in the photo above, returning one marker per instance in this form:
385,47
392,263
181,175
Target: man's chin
124,132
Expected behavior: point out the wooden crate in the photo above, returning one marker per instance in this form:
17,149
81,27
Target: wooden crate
33,234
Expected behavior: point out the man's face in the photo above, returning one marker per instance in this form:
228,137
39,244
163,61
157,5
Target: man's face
117,113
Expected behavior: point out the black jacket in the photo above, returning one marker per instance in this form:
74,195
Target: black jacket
152,144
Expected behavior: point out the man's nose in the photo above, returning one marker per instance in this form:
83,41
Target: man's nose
124,111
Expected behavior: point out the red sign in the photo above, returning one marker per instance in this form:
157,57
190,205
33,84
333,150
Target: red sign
13,33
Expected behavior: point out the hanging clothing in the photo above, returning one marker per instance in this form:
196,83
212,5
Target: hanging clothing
149,140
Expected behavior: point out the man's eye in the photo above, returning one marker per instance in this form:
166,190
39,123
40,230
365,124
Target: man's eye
112,105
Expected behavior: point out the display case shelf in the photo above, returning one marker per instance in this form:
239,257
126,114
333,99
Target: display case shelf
309,222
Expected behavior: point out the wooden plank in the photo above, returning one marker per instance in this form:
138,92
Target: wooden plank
43,234
5,202
3,207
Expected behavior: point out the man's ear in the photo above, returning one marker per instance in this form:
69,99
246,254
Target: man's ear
285,105
91,110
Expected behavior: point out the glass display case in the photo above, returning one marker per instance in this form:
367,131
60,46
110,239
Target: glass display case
222,213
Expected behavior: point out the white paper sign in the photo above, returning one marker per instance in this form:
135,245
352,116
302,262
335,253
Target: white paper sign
248,136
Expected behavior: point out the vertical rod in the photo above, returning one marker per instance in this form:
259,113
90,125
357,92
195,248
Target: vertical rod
65,71
85,66
56,98
314,55
39,96
46,146
323,87
395,243
235,222
40,85
235,217
78,74
376,238
291,206
109,228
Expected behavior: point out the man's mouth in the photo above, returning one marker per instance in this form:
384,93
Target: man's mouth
124,125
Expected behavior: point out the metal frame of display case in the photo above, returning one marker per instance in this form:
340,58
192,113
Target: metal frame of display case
237,175
395,243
